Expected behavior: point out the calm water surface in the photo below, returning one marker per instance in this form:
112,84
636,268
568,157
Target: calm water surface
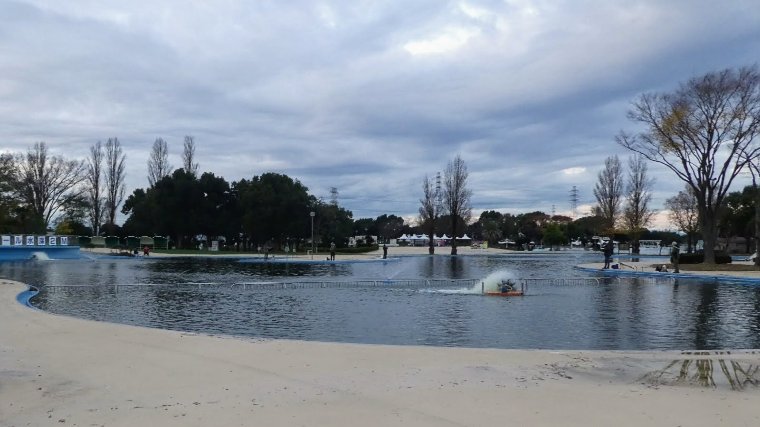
206,296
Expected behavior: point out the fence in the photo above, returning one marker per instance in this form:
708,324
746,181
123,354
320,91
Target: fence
524,284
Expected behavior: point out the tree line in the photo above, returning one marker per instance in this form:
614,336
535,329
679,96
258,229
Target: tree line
704,132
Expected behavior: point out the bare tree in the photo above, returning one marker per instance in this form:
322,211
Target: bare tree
114,178
188,156
704,132
754,169
7,183
429,211
7,195
684,213
456,197
45,183
158,163
637,213
94,187
609,192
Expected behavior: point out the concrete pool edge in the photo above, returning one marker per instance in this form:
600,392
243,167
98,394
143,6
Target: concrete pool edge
749,278
84,372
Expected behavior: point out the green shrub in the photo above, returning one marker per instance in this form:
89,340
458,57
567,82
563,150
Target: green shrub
698,258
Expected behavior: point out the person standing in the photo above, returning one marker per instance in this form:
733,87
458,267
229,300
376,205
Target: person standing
674,253
385,251
608,249
332,251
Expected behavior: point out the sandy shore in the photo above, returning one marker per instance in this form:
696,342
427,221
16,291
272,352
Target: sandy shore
57,370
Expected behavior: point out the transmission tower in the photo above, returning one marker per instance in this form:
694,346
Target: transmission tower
334,196
574,201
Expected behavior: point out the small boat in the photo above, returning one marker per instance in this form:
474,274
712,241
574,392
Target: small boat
506,289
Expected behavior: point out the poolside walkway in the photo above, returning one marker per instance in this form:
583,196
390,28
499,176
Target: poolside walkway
647,269
58,370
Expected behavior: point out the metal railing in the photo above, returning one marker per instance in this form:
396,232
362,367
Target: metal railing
523,284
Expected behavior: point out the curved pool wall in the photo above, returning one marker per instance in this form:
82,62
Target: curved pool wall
16,253
217,296
25,298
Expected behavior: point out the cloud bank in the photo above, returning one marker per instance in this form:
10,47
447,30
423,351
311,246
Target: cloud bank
365,96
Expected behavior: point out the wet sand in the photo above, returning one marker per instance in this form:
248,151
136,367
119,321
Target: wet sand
58,370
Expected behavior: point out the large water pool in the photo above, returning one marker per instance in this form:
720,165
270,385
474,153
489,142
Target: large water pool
224,296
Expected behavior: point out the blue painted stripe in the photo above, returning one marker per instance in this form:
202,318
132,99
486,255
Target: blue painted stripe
24,298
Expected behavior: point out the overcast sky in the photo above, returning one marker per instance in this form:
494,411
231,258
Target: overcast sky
365,96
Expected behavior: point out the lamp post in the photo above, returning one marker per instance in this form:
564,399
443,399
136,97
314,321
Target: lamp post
311,214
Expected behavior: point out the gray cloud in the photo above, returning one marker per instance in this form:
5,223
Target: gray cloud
362,96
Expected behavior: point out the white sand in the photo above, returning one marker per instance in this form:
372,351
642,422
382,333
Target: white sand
57,370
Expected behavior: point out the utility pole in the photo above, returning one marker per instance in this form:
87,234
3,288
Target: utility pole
311,214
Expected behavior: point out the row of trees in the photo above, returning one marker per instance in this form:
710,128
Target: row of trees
549,230
704,132
39,190
624,204
36,187
453,201
271,209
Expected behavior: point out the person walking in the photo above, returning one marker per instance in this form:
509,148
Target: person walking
674,253
332,251
385,251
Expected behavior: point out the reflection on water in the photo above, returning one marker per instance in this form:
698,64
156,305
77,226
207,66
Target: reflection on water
733,374
201,295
